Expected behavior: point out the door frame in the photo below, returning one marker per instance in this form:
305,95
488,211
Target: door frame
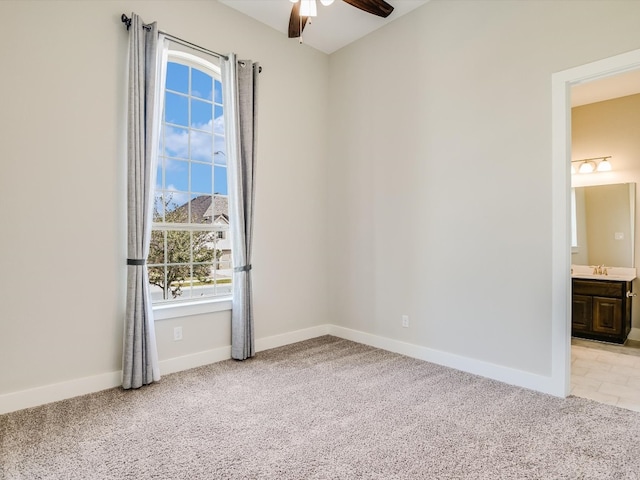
561,83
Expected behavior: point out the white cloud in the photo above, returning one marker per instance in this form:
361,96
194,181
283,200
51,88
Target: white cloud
176,140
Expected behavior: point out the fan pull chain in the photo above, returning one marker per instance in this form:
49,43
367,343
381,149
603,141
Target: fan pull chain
300,37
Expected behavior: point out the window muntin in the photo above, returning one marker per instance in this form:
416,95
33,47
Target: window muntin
190,252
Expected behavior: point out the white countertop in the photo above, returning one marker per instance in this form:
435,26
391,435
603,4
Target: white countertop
619,274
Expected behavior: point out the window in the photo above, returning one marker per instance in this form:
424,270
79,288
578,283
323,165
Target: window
190,252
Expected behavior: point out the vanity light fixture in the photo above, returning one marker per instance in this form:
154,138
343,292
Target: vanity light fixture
604,165
590,165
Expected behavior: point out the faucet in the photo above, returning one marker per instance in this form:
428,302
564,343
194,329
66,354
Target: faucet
600,270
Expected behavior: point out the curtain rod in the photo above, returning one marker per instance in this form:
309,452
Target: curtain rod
127,21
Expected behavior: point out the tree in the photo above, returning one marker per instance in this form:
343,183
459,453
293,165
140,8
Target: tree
180,245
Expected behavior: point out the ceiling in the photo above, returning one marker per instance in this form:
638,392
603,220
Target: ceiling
606,88
339,24
336,25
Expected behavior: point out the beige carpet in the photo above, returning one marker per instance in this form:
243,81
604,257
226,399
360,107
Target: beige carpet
321,409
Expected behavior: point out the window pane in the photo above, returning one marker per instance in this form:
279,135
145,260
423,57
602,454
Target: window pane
223,273
179,247
218,120
156,250
201,178
220,178
201,84
176,109
176,142
176,208
220,210
201,210
159,169
201,115
224,266
201,146
218,92
203,252
220,150
177,175
156,282
177,281
177,77
158,208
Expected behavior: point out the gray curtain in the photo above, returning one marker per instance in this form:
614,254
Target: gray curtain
140,357
240,80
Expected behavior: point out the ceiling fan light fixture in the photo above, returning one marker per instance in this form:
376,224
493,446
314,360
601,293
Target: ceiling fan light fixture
326,3
308,8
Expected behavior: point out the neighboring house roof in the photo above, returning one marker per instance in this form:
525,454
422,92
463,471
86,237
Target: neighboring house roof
202,208
219,209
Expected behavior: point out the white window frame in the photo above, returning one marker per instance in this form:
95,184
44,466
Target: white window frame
192,306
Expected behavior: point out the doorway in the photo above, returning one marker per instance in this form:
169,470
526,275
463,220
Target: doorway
562,82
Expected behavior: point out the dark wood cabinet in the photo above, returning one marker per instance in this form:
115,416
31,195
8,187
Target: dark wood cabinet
601,309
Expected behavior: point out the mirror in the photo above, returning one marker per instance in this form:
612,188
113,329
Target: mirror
603,225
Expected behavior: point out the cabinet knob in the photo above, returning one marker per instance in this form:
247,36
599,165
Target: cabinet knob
631,294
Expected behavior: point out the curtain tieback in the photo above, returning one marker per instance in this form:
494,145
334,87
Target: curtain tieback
136,261
244,268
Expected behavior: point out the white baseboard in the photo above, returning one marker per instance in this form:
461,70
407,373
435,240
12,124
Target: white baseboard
178,364
503,374
10,402
634,334
276,341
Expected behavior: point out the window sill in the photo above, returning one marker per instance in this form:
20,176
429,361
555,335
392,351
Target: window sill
176,310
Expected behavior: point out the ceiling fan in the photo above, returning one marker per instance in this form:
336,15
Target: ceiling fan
303,9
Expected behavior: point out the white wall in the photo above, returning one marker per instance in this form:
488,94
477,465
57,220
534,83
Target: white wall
63,123
427,145
442,122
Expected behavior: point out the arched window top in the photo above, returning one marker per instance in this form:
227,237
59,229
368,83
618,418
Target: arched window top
188,74
193,61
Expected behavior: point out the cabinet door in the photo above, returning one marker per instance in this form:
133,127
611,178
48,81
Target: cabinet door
607,315
581,313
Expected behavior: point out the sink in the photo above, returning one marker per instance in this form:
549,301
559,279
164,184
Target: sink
620,274
602,277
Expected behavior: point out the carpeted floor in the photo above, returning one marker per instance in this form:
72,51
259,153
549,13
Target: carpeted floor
325,408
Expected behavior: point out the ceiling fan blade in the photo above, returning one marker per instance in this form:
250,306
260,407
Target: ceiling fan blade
294,21
375,7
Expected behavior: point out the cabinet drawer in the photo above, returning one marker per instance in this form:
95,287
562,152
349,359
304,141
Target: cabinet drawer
600,288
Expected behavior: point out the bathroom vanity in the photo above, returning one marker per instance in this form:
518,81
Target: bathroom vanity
602,233
601,309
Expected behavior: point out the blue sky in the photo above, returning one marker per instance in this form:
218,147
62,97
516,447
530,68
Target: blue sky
196,131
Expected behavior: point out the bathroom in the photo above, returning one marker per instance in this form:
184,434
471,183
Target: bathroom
605,127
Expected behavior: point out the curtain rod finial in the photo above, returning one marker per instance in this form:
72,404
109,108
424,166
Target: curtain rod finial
126,20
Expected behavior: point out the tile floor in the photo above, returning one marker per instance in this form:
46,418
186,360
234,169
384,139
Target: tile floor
606,373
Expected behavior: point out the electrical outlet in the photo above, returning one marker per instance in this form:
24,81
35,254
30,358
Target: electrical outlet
177,333
405,321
